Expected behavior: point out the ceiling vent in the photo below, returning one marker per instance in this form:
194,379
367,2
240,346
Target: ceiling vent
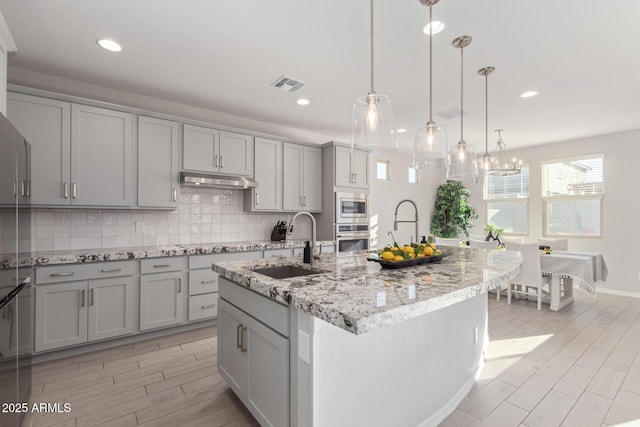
288,84
449,114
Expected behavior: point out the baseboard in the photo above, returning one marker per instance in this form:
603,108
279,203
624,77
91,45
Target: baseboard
616,292
439,416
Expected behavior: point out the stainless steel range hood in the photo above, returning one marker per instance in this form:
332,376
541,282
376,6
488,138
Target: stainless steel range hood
195,179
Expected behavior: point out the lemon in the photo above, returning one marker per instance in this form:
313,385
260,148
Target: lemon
395,248
428,251
387,255
398,258
408,249
433,246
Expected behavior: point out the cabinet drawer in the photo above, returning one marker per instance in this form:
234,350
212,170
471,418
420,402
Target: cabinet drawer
159,265
205,261
202,281
203,306
73,272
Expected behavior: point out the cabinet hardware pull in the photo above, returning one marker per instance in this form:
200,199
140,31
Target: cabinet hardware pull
206,282
257,198
179,285
81,297
221,163
111,270
175,195
243,348
355,178
15,188
91,297
65,190
216,159
23,188
304,198
204,307
29,188
161,265
239,335
70,273
74,190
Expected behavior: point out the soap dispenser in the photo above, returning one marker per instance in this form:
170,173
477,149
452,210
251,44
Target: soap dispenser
306,257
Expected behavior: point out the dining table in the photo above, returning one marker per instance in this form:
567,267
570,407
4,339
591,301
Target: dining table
568,268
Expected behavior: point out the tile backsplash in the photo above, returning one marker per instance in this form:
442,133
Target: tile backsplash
203,216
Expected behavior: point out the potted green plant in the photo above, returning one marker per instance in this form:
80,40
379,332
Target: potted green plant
452,214
494,233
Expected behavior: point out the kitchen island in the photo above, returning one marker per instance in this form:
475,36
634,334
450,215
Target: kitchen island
356,344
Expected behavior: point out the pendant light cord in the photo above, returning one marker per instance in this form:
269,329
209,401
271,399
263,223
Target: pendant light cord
371,28
430,62
461,94
486,112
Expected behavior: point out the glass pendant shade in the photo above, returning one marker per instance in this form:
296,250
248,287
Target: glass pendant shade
373,123
430,148
462,161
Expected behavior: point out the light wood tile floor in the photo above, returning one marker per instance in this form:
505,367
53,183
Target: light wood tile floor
170,381
577,367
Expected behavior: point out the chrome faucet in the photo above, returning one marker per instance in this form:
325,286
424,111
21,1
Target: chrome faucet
395,221
313,233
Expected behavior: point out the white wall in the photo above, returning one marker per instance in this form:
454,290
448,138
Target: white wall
619,244
385,196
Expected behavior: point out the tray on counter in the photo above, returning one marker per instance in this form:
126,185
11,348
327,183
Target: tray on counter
407,262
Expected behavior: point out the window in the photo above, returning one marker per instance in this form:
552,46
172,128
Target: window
573,194
506,201
413,176
382,170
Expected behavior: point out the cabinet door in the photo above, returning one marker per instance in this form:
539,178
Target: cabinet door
268,174
160,300
344,176
236,154
158,180
292,173
200,148
46,125
110,303
100,156
268,366
312,179
232,362
61,315
360,168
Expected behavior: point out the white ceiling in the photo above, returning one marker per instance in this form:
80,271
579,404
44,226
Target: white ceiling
582,56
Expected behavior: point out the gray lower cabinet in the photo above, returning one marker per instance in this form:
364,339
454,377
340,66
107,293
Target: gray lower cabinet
162,295
158,179
254,360
77,312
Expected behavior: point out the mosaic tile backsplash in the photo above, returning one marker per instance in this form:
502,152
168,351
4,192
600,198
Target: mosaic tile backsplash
204,216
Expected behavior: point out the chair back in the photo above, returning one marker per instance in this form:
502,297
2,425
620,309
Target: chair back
555,244
477,237
491,244
444,241
531,272
512,239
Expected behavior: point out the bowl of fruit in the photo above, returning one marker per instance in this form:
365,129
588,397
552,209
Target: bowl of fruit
398,256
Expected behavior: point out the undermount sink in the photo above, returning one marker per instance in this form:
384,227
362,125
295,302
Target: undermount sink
287,271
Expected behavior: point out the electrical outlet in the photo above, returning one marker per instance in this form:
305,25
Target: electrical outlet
303,346
139,226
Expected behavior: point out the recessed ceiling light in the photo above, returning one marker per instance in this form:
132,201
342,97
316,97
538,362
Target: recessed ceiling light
529,94
302,101
437,27
109,45
401,130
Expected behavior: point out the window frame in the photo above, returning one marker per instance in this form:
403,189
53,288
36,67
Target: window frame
526,200
416,174
387,164
569,198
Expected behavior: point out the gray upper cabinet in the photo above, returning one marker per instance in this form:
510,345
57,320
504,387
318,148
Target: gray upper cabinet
46,124
158,179
210,150
351,168
81,155
302,178
101,147
268,175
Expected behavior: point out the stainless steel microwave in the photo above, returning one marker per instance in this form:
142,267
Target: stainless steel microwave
352,208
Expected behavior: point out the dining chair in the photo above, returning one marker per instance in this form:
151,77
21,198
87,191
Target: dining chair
530,276
554,244
445,241
491,244
479,237
512,239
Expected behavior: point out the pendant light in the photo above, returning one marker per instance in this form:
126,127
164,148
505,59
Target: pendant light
502,166
462,163
487,163
430,147
373,124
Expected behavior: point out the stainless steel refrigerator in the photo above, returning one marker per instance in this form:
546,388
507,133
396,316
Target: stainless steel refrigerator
15,281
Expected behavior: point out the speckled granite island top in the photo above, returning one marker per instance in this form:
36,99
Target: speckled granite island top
100,255
359,296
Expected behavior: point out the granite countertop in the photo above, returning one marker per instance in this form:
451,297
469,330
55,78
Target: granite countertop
98,255
359,296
